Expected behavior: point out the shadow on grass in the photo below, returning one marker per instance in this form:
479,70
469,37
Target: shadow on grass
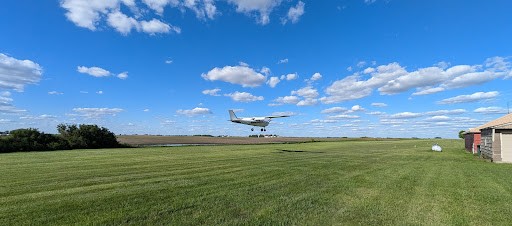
299,151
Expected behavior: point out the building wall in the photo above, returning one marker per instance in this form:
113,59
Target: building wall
486,143
472,140
476,142
496,147
468,140
506,146
491,148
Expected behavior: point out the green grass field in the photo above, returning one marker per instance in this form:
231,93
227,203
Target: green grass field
322,183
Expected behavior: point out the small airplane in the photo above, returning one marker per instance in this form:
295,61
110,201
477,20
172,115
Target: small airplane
254,121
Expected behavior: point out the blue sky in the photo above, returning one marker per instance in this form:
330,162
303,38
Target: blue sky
381,68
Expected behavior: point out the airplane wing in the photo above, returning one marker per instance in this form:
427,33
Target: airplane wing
277,116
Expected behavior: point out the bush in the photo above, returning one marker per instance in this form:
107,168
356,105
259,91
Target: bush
71,137
31,140
88,136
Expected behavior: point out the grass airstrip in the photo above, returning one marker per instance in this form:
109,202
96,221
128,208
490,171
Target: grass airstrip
319,183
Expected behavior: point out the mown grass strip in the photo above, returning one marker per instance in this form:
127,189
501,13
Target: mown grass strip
321,183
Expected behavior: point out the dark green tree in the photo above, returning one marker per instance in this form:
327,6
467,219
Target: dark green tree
88,136
31,140
461,134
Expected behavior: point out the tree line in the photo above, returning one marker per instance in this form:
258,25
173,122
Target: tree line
70,137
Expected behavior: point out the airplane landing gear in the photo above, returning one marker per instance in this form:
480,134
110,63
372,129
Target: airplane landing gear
262,129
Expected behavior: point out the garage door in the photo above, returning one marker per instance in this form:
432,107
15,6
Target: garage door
506,147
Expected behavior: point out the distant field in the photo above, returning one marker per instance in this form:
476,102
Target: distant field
322,183
160,140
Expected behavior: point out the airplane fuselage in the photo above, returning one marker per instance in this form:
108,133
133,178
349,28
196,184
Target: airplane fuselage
257,121
253,121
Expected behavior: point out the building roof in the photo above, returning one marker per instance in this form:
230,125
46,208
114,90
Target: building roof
505,122
503,126
473,130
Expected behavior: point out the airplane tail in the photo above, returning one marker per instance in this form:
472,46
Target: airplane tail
232,115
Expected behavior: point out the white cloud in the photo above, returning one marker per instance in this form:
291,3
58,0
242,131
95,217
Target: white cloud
429,90
393,78
285,100
369,70
392,121
470,79
439,118
405,115
294,13
123,75
491,110
55,93
316,76
265,70
204,9
263,7
307,102
240,75
93,71
6,105
284,113
167,122
89,14
97,112
356,108
244,97
369,2
122,23
86,13
155,26
306,92
169,61
344,116
443,64
145,110
40,117
447,112
478,96
99,92
420,78
379,105
212,92
352,87
334,110
376,113
273,81
283,61
159,5
100,72
16,74
498,64
324,121
195,111
289,77
458,76
5,121
361,63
